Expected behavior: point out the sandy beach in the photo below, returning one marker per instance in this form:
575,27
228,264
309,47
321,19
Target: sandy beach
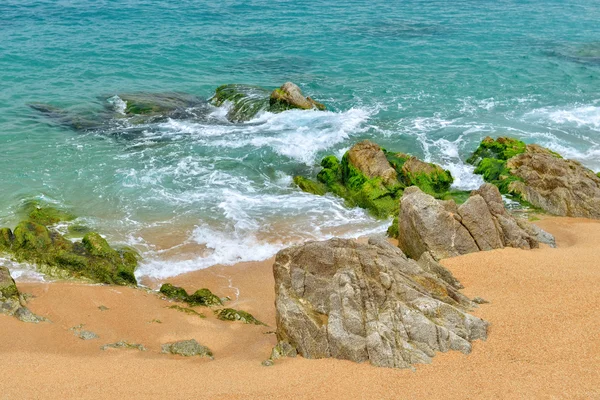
543,342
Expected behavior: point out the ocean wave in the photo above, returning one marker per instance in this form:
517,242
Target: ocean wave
587,116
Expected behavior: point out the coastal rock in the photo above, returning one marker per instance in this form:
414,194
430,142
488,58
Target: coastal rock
187,348
367,302
152,104
440,229
290,96
91,258
11,301
123,345
373,178
539,176
558,186
246,101
230,314
201,297
371,161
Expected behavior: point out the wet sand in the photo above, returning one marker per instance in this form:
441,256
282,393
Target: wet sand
543,342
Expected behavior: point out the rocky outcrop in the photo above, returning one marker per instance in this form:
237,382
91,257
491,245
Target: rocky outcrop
91,258
246,101
443,229
11,301
289,96
374,178
538,176
367,302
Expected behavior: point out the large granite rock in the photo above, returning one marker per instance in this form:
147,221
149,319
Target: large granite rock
539,176
368,302
11,301
443,229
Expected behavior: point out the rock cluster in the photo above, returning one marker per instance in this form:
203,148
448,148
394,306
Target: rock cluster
374,178
11,301
444,229
368,302
539,176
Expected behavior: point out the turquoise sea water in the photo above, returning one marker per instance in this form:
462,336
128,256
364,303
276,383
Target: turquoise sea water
426,77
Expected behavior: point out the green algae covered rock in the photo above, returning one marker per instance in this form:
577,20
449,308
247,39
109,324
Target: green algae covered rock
538,177
92,258
246,101
230,314
201,297
45,214
143,103
373,178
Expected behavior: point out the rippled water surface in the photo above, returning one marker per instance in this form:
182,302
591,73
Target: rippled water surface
425,77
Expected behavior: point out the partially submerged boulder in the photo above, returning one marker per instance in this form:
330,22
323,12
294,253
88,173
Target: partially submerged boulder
91,258
367,302
11,301
246,101
444,229
539,176
289,96
374,178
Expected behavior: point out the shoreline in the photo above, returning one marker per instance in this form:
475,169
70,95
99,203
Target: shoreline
543,314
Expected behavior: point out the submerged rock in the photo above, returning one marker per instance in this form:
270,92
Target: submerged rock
201,297
443,229
246,101
92,258
374,178
11,300
187,348
163,104
538,176
367,302
230,314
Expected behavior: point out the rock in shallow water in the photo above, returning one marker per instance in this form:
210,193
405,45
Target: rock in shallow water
367,302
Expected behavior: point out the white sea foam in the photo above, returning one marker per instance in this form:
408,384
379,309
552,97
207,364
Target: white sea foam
580,116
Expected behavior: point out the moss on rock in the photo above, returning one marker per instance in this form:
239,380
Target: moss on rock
246,101
230,314
91,258
377,194
44,214
490,159
310,186
201,297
